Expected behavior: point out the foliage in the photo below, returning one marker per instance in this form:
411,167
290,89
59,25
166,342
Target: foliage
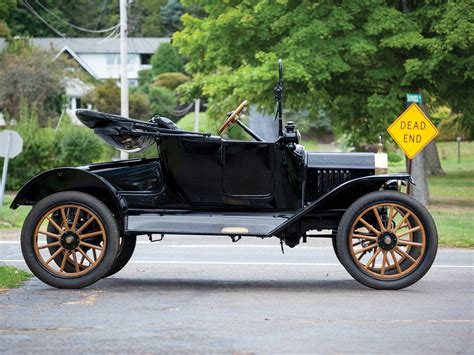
105,97
12,277
165,60
45,148
26,74
171,16
171,80
145,18
6,6
449,125
356,60
162,101
83,13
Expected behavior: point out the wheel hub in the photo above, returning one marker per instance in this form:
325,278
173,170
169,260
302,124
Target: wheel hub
70,240
387,241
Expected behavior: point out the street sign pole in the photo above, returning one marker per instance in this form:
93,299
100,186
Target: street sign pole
410,173
5,169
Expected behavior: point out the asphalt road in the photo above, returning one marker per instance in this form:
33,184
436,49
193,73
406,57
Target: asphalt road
205,294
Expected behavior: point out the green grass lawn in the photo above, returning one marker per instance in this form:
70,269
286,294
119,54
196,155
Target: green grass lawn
12,219
452,195
12,277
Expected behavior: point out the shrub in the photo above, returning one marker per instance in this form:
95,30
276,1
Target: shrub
166,60
105,97
171,80
38,150
77,145
162,101
44,148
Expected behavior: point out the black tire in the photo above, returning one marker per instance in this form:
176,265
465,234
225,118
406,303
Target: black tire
364,275
126,249
334,246
61,279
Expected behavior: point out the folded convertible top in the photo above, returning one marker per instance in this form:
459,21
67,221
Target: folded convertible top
126,134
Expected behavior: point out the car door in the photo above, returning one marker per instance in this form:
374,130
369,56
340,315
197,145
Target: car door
248,171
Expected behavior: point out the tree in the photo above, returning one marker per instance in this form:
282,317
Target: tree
165,60
28,74
171,14
105,97
356,60
145,18
6,7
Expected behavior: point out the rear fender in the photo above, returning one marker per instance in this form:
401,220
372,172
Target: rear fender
68,179
345,194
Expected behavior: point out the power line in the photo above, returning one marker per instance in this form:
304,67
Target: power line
73,25
104,4
33,11
112,36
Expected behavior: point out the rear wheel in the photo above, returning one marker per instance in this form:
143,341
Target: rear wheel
126,249
387,240
69,239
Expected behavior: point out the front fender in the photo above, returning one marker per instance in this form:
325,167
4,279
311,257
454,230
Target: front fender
344,195
68,179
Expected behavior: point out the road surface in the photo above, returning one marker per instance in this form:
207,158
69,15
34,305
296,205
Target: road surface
205,294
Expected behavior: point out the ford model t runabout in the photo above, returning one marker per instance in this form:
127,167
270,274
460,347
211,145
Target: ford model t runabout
84,221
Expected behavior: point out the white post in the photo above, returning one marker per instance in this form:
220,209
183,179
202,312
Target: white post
123,65
197,104
5,169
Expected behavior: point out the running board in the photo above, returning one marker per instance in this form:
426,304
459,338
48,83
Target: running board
256,224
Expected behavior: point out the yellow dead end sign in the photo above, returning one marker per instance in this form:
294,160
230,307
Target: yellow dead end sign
412,130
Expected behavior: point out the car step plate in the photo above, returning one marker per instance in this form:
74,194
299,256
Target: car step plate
206,223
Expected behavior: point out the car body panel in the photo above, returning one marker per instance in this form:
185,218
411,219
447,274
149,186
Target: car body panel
203,184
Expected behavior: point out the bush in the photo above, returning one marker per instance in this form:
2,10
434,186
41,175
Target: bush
105,97
166,60
171,80
394,157
77,145
162,101
44,148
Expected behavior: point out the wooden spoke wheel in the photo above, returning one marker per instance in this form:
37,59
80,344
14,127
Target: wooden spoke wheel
70,239
386,240
76,244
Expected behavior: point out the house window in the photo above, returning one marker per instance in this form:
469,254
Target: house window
145,58
114,59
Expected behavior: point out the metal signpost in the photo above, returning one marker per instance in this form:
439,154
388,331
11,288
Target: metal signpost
412,131
11,145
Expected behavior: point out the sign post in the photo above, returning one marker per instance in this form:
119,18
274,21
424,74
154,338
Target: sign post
11,145
412,131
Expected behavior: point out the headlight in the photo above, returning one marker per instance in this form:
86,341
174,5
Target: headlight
381,163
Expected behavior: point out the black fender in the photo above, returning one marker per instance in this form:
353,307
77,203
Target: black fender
68,179
342,196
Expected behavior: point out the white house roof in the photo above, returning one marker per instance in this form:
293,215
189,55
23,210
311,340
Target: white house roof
139,45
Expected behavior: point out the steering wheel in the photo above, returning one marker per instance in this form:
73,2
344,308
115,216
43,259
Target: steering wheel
233,116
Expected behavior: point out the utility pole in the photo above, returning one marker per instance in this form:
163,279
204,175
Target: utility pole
123,64
197,105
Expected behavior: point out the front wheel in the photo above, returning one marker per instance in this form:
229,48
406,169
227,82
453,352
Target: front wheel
70,239
387,240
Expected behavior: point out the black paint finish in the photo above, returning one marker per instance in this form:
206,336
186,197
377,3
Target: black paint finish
198,176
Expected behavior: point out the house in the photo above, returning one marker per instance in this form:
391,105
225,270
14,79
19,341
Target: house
99,57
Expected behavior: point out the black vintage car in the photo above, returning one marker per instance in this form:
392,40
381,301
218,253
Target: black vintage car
84,221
